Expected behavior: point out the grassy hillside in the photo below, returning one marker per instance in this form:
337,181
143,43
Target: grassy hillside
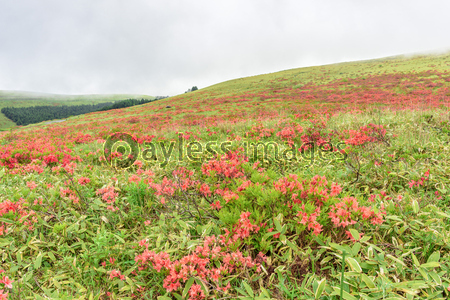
390,82
327,182
26,99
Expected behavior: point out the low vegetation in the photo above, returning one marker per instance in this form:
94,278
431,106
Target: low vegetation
353,205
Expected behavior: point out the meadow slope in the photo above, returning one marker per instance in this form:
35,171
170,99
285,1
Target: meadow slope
328,182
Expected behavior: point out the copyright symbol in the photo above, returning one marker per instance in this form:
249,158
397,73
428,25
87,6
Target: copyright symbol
120,150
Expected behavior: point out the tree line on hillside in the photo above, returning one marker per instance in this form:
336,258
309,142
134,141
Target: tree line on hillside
130,102
36,114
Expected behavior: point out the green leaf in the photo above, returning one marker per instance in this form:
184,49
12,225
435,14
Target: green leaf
120,239
37,297
199,229
125,288
38,261
277,225
187,286
355,249
395,259
355,234
19,258
320,288
354,264
434,257
365,239
432,264
394,217
129,281
345,294
292,246
340,248
51,256
240,291
369,282
177,296
265,293
4,242
442,214
415,206
416,262
248,289
435,277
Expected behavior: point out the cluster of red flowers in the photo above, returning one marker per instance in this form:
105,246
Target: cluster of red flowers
316,134
365,134
288,184
24,215
81,138
116,273
83,180
31,185
227,194
182,181
289,133
346,212
310,220
205,190
228,166
49,159
109,196
35,165
7,282
421,181
209,262
70,194
316,189
350,236
259,131
241,230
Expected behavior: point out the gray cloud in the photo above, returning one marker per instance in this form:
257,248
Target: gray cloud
164,47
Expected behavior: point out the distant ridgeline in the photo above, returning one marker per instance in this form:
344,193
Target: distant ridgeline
36,114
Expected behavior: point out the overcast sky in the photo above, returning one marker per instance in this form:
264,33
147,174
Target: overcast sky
164,47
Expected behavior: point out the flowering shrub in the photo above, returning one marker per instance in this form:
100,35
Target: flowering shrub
212,262
16,212
366,134
227,166
109,196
